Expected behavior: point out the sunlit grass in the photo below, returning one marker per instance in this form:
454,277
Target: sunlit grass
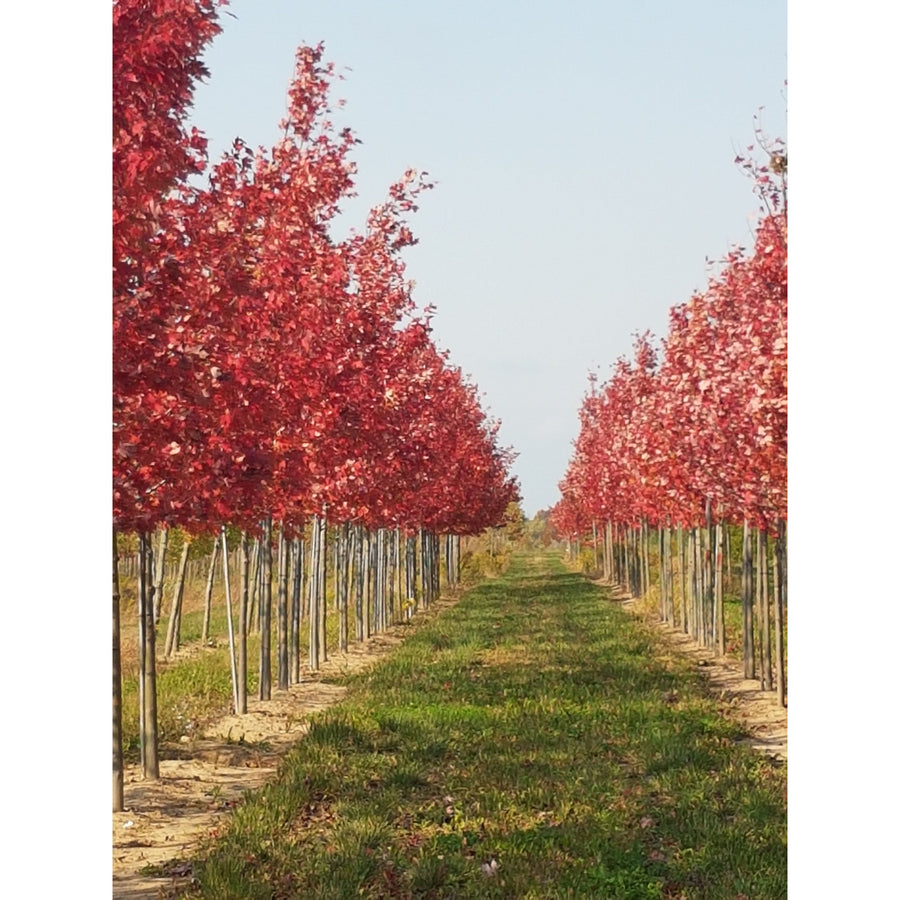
527,743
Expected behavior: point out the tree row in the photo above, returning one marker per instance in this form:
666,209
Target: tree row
682,443
267,375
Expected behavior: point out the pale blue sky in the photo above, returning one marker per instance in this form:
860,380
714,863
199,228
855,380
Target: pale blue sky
584,158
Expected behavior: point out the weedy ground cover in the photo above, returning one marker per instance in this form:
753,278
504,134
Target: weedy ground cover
526,744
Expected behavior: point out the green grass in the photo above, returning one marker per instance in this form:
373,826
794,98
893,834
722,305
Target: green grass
525,744
196,689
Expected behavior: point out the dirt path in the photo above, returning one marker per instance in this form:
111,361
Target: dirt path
762,717
200,782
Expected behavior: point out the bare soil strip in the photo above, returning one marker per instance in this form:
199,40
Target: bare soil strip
758,711
201,781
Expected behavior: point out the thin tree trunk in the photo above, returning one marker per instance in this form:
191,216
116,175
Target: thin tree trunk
729,573
362,585
243,610
692,584
682,572
207,608
282,630
314,595
762,596
780,593
343,543
663,582
159,577
149,731
118,766
747,603
357,554
173,633
255,583
296,609
709,587
391,570
226,577
265,612
720,596
645,534
323,583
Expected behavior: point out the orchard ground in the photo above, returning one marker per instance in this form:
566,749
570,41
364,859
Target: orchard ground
203,778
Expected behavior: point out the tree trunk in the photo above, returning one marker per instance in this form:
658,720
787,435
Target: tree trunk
147,651
159,577
118,765
231,647
709,587
323,584
729,574
682,577
410,566
207,608
391,573
358,568
255,583
762,596
747,603
265,612
343,543
692,584
365,545
720,595
314,595
296,609
282,629
243,610
663,579
173,633
780,594
645,534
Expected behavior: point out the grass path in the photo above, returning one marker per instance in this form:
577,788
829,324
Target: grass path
526,744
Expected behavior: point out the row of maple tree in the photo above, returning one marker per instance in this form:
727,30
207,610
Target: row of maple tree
264,369
261,366
692,438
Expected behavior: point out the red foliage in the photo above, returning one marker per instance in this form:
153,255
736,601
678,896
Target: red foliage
261,368
711,423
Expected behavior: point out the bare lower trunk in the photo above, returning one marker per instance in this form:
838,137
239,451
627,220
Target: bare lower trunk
118,761
243,610
149,732
762,596
160,576
255,580
296,609
323,583
282,629
231,648
708,587
265,613
173,633
343,571
720,592
780,595
682,578
747,603
207,607
314,595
